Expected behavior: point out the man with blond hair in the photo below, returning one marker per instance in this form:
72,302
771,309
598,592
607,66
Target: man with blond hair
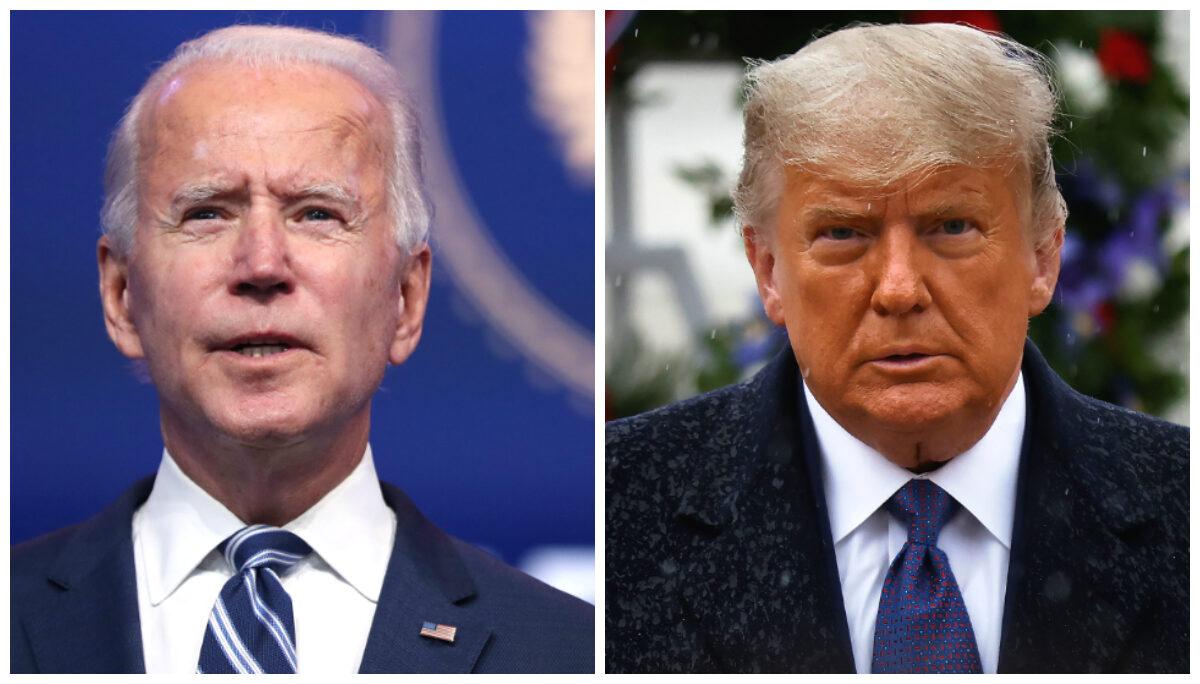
908,487
265,255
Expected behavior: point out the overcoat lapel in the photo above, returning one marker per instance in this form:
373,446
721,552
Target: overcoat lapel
426,582
761,582
91,625
1073,583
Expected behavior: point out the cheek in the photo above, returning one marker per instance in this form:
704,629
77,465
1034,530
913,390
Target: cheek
168,301
991,294
986,304
825,306
360,301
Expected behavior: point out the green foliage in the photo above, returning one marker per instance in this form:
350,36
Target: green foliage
637,379
709,179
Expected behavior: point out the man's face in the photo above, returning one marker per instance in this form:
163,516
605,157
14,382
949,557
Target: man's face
906,306
265,288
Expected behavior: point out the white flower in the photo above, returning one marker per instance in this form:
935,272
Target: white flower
1141,280
1082,80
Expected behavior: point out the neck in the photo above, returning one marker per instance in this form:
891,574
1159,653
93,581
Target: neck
267,484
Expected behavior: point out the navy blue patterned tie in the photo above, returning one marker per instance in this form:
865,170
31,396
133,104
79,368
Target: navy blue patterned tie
251,629
922,624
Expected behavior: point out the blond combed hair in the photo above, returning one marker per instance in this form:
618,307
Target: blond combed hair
876,103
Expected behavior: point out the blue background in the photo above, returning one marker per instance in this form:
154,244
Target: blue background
489,452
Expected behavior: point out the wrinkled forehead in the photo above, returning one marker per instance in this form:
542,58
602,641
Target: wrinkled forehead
993,189
218,100
837,179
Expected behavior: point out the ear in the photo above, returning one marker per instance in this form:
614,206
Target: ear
762,260
414,295
114,297
1045,274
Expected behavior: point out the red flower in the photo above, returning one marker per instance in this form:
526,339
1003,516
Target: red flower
985,20
1106,315
1123,56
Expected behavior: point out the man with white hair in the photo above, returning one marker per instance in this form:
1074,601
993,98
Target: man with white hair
265,254
909,487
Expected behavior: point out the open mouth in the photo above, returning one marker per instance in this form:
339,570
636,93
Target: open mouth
260,349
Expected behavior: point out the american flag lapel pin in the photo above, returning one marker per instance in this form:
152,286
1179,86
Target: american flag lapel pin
431,630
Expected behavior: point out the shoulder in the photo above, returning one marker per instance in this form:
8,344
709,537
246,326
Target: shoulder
94,558
32,559
523,601
1150,451
64,553
1100,425
662,448
654,463
1106,505
693,420
29,588
535,627
701,449
1102,441
1129,462
32,572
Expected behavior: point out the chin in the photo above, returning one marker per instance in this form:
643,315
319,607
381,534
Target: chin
271,426
914,407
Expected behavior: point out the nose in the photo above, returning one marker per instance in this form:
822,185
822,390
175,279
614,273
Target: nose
262,261
900,288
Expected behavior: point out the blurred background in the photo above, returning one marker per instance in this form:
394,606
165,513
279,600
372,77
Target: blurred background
682,312
489,427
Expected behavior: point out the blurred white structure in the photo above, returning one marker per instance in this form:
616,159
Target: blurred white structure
568,568
670,274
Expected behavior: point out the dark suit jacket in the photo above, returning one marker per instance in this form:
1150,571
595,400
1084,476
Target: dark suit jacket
74,603
719,555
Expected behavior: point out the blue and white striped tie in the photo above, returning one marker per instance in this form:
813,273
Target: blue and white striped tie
251,629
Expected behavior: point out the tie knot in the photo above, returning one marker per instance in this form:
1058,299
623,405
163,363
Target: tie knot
257,546
924,507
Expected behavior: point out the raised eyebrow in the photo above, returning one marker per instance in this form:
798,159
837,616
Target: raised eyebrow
965,208
332,191
196,193
828,214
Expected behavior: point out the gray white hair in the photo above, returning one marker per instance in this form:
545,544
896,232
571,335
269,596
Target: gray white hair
274,46
876,103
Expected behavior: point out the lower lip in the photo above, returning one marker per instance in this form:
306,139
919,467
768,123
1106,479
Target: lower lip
906,363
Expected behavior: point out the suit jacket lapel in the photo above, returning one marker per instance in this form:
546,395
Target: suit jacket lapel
1073,581
763,587
91,624
426,582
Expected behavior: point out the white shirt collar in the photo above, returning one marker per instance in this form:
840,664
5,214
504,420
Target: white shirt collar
351,529
858,479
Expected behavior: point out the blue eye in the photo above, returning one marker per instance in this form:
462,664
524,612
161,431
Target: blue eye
955,226
317,215
841,233
202,214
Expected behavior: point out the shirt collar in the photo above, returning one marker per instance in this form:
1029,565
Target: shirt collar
350,528
858,480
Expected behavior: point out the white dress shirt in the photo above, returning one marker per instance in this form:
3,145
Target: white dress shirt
334,590
858,481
